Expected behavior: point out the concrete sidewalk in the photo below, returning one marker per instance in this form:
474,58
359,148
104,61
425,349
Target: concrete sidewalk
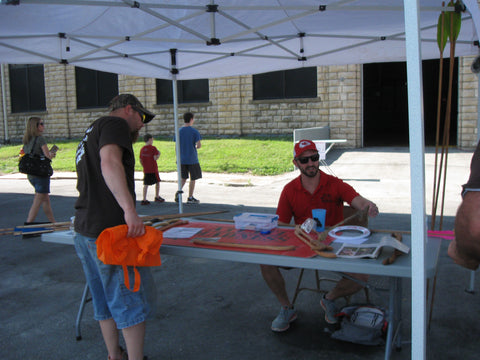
222,310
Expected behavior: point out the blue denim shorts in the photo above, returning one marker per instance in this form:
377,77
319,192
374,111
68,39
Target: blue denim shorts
110,296
40,183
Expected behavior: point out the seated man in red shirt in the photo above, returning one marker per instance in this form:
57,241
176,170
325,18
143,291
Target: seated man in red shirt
313,189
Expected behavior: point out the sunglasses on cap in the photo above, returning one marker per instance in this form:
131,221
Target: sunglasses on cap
304,159
141,113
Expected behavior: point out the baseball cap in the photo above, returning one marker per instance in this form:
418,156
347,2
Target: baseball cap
302,146
123,100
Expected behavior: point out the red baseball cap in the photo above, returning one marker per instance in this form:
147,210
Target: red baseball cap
302,146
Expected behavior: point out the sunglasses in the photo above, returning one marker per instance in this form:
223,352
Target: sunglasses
304,159
141,113
40,124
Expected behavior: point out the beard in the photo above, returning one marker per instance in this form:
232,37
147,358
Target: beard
134,136
309,171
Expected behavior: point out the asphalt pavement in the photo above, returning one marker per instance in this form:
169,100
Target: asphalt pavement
209,309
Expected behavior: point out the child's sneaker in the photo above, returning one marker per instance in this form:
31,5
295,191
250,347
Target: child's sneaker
145,202
192,200
159,199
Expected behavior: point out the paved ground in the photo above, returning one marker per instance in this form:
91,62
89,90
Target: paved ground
222,310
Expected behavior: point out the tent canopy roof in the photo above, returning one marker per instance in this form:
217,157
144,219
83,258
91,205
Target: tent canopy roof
215,39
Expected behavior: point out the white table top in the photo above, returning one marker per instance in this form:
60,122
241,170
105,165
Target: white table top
400,268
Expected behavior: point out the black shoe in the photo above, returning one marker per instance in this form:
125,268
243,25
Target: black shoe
177,195
192,200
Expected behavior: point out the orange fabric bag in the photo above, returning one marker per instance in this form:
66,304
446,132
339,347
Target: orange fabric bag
114,248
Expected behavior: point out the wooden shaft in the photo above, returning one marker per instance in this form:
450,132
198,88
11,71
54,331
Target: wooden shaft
390,231
45,231
46,225
323,250
177,216
218,220
245,246
171,225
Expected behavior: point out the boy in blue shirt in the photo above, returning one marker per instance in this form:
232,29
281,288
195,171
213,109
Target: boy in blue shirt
190,141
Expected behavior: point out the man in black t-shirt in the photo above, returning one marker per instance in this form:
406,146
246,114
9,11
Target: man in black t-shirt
105,171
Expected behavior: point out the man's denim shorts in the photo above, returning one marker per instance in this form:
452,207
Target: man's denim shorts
40,183
110,296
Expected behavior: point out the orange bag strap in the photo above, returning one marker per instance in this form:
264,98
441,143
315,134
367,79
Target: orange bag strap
136,284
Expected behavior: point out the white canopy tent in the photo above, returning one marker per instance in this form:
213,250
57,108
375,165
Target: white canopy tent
216,39
208,39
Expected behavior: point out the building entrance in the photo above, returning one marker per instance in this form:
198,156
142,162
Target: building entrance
385,104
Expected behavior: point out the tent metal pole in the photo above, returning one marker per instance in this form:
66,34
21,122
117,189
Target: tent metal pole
417,177
177,143
478,108
4,106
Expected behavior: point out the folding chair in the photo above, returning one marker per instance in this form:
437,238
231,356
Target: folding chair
359,221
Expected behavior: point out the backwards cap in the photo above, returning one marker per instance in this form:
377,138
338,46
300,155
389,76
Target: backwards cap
302,146
122,100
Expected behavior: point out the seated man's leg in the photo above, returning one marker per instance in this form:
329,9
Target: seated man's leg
275,281
344,287
465,249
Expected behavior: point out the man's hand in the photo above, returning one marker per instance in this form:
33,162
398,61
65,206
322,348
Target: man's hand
360,203
136,227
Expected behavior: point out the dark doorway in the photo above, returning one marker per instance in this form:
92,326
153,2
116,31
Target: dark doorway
385,103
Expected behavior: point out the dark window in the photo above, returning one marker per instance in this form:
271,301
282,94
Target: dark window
287,84
188,91
27,88
95,88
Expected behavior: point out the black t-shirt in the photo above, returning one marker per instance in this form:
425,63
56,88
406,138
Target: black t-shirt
96,207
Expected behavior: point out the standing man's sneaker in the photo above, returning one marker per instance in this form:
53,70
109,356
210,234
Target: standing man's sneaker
330,310
159,199
284,318
192,200
145,202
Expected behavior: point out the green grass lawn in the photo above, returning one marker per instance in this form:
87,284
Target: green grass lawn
255,155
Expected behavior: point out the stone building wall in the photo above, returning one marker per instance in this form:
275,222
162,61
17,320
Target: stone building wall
231,110
467,104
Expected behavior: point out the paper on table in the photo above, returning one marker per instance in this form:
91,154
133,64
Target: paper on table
370,250
181,232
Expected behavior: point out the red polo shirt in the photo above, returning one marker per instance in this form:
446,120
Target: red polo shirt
330,194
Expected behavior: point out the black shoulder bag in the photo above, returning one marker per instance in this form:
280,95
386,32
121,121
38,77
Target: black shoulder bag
32,164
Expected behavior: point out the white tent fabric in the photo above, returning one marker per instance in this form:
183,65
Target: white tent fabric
136,38
208,39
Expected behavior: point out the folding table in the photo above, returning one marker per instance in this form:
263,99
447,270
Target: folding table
402,268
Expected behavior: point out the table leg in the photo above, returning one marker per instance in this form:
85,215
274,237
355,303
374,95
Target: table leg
85,299
394,316
471,287
398,297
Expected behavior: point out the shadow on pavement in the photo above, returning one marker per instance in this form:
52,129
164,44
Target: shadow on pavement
206,309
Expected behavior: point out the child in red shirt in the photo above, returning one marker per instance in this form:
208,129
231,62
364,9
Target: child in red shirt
148,158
